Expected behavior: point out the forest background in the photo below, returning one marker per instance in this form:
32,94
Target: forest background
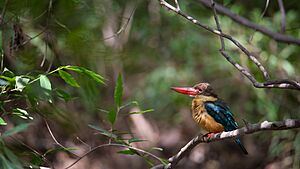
79,74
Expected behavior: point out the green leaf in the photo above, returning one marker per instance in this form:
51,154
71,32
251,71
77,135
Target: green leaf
6,72
93,75
128,152
13,158
226,2
62,25
36,159
112,116
130,103
157,148
103,110
149,162
46,86
15,130
133,140
64,95
68,78
2,122
21,82
3,82
118,91
59,149
22,113
45,83
141,112
4,163
164,161
103,131
8,79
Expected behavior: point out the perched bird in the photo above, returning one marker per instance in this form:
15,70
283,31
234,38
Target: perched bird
209,111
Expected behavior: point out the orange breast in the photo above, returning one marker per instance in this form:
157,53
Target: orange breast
202,118
209,124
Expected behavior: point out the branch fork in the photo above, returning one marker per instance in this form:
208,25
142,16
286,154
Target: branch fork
281,83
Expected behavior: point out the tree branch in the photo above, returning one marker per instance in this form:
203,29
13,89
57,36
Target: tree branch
283,84
217,32
248,129
283,19
114,145
55,140
244,21
218,24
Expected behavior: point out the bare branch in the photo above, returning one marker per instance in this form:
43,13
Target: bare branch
55,140
84,143
222,50
177,5
167,5
115,145
249,129
243,21
217,32
283,19
266,8
283,84
218,24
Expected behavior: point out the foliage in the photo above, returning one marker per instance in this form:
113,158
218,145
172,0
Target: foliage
119,73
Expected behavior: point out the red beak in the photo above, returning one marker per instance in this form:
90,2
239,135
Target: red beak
186,90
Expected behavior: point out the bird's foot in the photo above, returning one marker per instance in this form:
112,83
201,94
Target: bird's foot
211,134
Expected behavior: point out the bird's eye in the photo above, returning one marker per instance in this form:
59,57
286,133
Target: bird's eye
199,89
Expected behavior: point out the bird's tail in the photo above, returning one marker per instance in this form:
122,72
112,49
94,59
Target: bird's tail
238,141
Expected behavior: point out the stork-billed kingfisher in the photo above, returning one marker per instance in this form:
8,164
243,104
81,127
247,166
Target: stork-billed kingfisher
209,111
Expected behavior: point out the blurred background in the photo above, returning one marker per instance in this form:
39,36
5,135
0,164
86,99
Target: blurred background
153,49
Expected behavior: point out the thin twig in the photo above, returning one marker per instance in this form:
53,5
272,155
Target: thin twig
30,39
123,27
84,143
265,9
243,21
34,151
55,140
115,145
218,24
249,129
177,5
40,15
283,17
47,34
2,60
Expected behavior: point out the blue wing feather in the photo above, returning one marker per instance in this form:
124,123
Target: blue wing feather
221,113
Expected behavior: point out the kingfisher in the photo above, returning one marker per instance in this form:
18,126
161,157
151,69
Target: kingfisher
212,114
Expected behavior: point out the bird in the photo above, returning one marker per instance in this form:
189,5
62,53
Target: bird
210,112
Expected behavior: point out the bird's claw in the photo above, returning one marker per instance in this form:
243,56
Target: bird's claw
210,135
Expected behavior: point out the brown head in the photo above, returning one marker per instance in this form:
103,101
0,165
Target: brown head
199,89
